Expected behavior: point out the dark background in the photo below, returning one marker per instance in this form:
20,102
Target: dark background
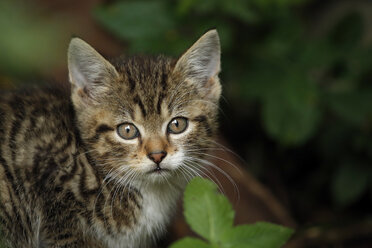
297,106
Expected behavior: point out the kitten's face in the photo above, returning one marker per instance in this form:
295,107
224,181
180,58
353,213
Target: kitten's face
147,119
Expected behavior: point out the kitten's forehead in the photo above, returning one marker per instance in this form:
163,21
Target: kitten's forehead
146,85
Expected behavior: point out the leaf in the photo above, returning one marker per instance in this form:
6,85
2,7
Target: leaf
290,112
289,124
348,32
135,20
190,243
239,9
207,212
259,235
353,107
349,183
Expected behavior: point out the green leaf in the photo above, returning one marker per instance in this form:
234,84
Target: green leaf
290,112
190,243
207,212
353,107
239,9
135,20
349,183
289,124
348,32
259,235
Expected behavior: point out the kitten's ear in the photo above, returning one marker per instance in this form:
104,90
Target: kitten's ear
89,72
200,65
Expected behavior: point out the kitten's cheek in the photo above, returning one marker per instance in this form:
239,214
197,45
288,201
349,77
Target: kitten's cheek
175,161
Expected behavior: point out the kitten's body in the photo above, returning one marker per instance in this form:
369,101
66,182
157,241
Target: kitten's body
66,177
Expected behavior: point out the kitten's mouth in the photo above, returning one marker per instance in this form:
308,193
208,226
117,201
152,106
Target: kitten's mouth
158,170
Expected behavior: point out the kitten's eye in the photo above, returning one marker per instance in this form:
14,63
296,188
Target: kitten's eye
177,125
127,131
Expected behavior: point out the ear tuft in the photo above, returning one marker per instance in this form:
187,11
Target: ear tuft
88,70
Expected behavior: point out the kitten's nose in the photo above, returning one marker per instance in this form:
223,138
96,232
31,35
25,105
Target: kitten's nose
157,156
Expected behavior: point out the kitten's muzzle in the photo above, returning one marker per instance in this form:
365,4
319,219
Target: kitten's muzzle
157,156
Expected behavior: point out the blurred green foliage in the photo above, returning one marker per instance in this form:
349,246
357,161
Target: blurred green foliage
30,42
307,90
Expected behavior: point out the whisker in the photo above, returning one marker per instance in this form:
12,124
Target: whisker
216,157
215,179
206,162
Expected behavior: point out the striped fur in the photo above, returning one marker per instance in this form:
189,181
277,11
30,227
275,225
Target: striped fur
66,177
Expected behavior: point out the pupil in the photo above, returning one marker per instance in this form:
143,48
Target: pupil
127,129
176,123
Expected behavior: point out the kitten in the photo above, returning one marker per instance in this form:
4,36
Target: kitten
105,165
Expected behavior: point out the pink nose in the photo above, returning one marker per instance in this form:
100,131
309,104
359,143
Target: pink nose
157,157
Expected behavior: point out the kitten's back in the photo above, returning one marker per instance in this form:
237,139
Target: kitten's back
35,126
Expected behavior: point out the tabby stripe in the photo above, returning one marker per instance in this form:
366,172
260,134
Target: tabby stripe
8,174
34,114
19,180
64,236
103,128
52,166
163,82
66,145
5,215
18,216
37,112
88,215
99,206
58,189
160,100
133,198
6,227
73,244
82,181
164,79
100,215
11,180
138,101
71,174
92,164
35,164
202,119
132,82
16,124
84,191
63,160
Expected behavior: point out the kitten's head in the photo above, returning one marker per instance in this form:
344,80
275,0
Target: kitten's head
146,119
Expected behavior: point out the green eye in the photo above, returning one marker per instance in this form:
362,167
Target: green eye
127,131
177,125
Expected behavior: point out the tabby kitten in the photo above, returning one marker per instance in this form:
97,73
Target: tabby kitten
105,165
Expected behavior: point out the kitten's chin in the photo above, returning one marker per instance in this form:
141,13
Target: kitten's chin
164,176
159,176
